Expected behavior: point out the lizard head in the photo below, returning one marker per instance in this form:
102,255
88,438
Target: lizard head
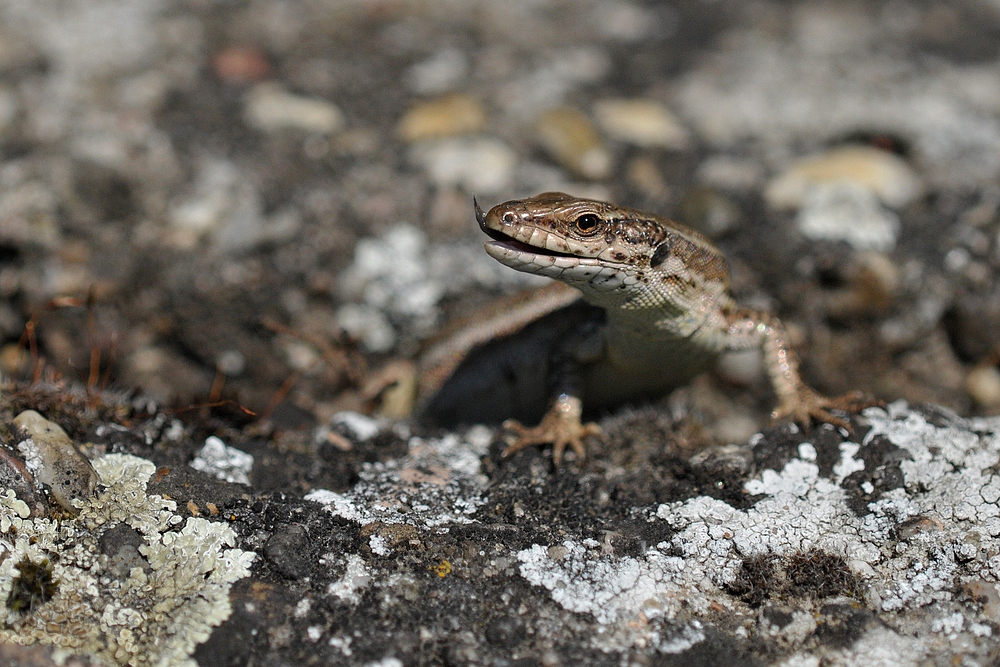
614,255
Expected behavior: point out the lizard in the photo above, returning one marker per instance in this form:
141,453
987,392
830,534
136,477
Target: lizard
657,310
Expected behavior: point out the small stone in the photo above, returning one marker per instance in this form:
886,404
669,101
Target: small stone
741,367
8,108
973,323
443,117
505,631
477,164
367,324
628,22
288,551
121,544
217,193
643,174
13,359
985,592
231,362
28,210
873,281
884,174
709,211
557,552
571,139
550,659
270,108
846,211
644,123
442,71
983,385
54,460
729,173
241,64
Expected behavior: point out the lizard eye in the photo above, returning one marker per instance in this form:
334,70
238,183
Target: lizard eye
587,222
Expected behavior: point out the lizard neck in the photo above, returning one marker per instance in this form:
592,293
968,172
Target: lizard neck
652,311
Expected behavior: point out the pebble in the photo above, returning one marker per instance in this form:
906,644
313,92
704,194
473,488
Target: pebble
8,108
28,211
478,164
974,319
983,385
884,174
367,325
644,175
270,108
846,211
547,86
729,173
220,194
741,368
441,72
54,460
709,211
569,137
629,22
241,64
735,428
13,359
443,117
873,282
640,122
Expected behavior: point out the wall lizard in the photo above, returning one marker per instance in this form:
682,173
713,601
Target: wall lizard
657,310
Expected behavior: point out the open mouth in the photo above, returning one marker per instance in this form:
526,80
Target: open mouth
511,243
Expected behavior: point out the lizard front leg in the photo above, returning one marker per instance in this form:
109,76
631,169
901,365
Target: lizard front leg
563,424
796,400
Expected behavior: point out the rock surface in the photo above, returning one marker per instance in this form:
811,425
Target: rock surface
798,548
253,213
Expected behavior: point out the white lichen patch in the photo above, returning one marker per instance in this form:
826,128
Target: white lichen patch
912,572
356,578
610,589
155,615
636,598
223,462
437,483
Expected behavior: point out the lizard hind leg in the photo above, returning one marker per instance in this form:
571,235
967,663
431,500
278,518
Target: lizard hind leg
805,404
562,426
797,400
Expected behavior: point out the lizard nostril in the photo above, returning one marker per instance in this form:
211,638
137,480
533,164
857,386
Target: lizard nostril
508,218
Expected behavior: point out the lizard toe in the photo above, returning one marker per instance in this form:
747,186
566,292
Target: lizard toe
560,427
808,405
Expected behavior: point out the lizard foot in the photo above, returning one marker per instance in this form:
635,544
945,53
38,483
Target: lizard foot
807,404
561,426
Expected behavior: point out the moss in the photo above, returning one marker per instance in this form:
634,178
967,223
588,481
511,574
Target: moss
34,586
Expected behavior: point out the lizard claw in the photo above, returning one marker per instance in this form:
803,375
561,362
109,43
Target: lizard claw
561,426
806,404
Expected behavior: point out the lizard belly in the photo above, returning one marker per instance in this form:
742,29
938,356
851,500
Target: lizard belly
636,367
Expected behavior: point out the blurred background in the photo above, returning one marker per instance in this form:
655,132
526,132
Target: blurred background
259,200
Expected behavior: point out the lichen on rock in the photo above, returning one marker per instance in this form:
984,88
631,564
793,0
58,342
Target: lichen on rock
157,613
